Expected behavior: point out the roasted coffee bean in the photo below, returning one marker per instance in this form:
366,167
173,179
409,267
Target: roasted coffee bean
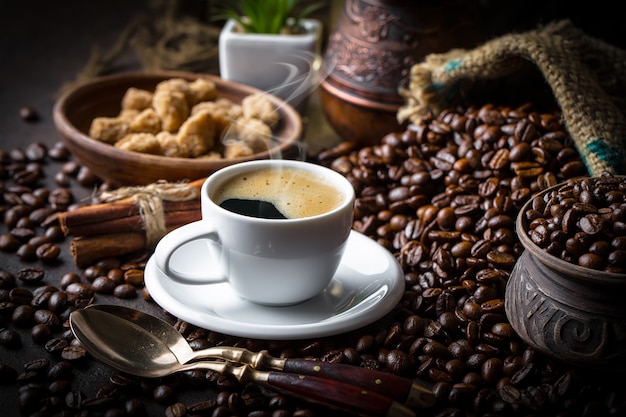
8,242
134,277
47,317
38,241
56,345
399,362
23,315
47,252
27,252
125,291
73,353
10,339
103,285
40,333
59,387
53,232
74,399
60,199
8,374
163,394
29,398
79,290
31,275
62,179
58,152
86,178
57,301
134,407
92,272
176,410
30,114
20,295
69,278
7,279
22,234
26,176
37,365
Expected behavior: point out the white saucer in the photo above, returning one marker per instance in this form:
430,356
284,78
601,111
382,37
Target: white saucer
368,284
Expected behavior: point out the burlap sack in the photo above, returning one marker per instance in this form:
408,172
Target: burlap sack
586,75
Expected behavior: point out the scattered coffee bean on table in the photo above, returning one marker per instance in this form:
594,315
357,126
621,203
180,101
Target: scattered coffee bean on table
442,196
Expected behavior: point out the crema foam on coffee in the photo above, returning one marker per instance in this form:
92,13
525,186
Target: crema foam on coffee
278,193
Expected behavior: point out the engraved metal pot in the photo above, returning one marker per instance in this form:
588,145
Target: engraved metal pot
370,53
574,314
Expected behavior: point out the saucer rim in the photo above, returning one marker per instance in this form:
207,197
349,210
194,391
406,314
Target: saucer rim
327,327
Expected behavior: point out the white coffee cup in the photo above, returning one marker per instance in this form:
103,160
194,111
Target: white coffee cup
267,260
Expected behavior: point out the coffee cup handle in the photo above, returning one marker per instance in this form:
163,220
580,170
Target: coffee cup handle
172,241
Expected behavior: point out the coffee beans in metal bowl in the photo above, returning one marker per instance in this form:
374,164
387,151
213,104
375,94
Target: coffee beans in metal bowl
582,222
565,294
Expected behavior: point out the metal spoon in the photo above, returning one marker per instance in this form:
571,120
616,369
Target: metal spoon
400,389
130,348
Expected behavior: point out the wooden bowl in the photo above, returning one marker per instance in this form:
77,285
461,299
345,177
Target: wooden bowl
74,111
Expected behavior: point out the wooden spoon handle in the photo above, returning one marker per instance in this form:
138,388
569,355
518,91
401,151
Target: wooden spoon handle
400,389
337,395
334,394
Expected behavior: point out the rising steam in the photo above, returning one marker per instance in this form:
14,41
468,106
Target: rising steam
293,82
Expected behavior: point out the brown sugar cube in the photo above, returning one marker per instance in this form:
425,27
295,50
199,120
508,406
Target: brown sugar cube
254,132
258,105
108,129
237,149
223,112
128,114
197,133
175,85
139,142
201,90
137,99
170,146
146,122
212,156
172,109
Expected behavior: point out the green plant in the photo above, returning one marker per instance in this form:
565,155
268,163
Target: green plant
267,16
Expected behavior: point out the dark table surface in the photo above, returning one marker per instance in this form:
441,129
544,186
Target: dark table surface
43,46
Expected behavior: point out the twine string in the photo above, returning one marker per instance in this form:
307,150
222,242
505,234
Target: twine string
163,40
149,199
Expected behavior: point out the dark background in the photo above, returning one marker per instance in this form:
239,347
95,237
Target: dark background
45,44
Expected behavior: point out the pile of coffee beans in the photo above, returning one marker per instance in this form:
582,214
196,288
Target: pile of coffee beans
583,222
442,196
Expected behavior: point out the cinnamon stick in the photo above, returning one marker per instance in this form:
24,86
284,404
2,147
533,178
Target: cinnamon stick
87,250
117,228
102,212
98,213
133,222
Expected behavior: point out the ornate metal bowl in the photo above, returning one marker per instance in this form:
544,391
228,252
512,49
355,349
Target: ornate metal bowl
572,313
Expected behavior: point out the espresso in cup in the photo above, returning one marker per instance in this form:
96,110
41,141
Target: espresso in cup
275,231
286,193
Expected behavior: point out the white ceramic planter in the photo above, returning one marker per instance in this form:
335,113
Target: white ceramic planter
284,65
